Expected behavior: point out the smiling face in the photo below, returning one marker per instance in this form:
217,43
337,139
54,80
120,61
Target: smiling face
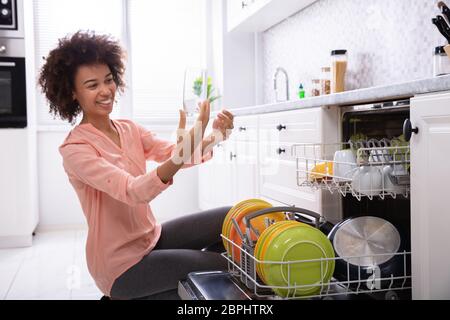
95,90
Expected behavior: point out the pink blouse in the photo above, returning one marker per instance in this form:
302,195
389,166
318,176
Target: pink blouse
114,191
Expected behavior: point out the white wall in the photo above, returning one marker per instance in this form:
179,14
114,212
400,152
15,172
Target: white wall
231,60
387,41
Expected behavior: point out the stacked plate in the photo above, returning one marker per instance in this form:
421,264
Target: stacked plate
296,255
238,212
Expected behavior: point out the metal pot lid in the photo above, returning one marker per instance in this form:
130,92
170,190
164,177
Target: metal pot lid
370,240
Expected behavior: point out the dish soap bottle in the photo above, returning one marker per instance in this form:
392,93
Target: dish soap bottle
301,91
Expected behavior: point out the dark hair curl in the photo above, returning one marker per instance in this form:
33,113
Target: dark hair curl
57,75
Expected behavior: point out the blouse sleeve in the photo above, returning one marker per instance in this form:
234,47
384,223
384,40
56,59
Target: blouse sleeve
82,162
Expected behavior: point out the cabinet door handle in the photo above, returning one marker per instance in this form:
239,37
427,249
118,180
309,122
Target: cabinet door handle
408,130
242,129
281,127
280,151
244,4
232,156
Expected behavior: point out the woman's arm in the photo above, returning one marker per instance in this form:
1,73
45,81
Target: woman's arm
83,163
189,145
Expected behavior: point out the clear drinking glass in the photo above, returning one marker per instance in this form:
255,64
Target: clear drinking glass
194,89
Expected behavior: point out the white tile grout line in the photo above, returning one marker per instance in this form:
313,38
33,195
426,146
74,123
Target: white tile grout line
15,276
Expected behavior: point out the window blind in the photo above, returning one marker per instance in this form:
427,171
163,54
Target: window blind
165,38
54,19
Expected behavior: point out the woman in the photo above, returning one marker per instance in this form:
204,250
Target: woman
129,254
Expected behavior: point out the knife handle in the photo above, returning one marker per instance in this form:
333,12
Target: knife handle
438,26
445,11
442,26
443,23
445,27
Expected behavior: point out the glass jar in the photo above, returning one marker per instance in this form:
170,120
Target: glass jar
325,81
315,88
338,70
441,62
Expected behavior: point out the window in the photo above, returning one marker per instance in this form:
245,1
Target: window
162,39
165,38
55,19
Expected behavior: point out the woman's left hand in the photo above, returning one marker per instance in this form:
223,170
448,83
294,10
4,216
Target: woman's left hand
224,124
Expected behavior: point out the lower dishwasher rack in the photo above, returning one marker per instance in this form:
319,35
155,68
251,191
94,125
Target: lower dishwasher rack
246,278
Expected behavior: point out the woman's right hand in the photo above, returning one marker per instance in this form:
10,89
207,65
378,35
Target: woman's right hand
204,114
186,150
188,141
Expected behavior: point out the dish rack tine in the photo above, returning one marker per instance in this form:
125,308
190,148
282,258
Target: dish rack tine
238,230
255,231
248,236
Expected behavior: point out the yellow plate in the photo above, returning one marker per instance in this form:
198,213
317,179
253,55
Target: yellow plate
234,236
226,226
232,212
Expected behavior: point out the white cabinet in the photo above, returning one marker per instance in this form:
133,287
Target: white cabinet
244,170
245,157
259,15
278,132
231,175
215,179
18,204
430,207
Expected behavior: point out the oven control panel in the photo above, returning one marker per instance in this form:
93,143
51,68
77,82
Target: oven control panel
7,14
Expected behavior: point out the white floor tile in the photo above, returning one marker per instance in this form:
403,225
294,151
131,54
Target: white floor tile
88,292
54,268
12,255
46,268
8,272
42,277
60,242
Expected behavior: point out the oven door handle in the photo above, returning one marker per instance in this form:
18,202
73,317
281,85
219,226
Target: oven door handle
8,64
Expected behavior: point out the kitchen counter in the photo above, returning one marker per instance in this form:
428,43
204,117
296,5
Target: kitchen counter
360,96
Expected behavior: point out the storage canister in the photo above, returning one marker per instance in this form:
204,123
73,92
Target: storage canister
315,87
338,70
325,80
441,62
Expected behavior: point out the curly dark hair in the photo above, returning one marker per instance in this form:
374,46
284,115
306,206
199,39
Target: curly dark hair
57,75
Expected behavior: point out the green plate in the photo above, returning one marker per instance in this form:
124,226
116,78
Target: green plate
261,244
299,243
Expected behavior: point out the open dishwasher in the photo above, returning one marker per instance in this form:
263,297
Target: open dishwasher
370,170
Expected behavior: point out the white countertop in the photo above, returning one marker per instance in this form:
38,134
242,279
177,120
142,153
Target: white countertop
372,94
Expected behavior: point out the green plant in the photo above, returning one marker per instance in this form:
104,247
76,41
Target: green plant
197,88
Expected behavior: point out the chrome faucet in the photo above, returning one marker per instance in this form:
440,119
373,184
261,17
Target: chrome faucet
279,69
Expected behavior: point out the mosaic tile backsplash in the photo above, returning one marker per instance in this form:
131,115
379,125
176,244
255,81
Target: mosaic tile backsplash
388,41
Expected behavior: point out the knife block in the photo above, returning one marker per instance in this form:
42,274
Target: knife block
447,50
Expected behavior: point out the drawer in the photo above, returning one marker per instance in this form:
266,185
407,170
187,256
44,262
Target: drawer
278,178
278,182
299,126
276,150
245,128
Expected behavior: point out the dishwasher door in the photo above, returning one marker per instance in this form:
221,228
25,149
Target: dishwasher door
213,285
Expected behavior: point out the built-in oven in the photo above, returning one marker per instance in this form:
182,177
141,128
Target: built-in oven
13,102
